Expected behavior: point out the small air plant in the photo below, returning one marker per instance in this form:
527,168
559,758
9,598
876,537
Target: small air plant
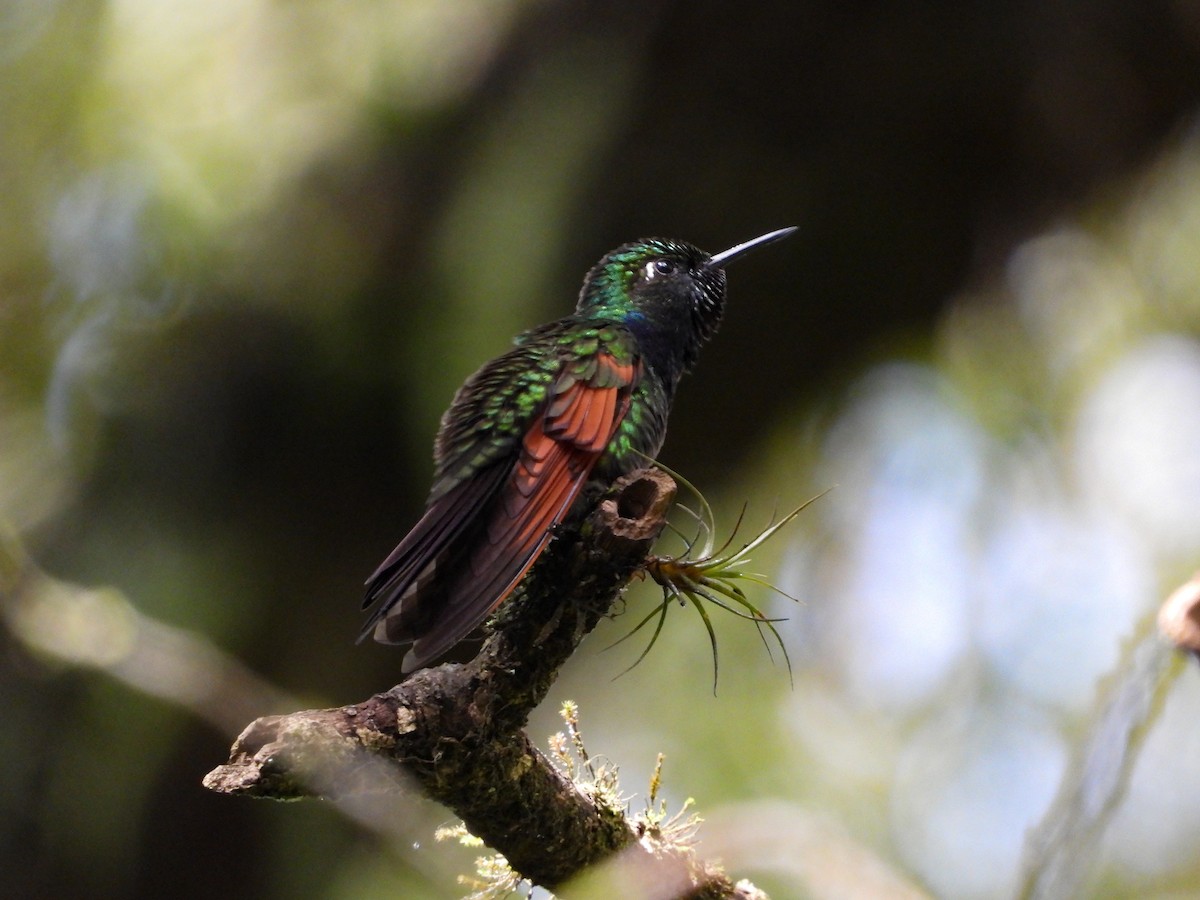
704,573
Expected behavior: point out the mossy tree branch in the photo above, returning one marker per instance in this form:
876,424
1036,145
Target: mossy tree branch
456,730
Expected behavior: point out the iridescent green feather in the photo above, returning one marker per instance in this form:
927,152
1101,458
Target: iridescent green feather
496,407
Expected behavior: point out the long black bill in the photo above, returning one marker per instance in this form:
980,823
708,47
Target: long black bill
725,257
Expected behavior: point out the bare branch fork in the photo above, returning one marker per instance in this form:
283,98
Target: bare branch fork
456,730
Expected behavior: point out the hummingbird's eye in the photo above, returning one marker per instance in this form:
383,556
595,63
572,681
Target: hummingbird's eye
658,268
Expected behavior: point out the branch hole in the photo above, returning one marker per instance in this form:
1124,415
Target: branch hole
637,499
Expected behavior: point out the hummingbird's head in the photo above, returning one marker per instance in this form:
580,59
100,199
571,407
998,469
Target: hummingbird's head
670,293
659,287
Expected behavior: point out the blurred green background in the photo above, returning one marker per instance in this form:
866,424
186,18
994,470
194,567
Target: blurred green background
249,249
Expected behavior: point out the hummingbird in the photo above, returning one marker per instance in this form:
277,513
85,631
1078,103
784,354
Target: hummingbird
580,400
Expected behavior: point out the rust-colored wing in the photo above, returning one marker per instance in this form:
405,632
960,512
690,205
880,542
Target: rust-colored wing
462,566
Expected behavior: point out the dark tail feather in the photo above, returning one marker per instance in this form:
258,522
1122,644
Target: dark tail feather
449,523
